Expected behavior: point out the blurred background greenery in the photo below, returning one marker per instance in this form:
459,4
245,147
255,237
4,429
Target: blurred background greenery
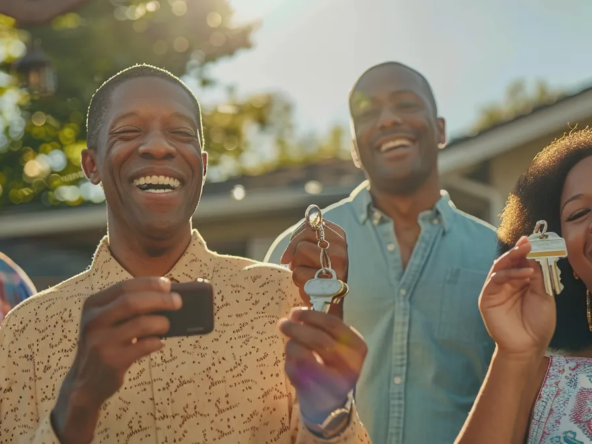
42,135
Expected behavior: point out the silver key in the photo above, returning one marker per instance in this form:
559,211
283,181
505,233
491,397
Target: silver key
547,248
322,291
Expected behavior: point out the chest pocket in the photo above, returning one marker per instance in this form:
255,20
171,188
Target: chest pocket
460,319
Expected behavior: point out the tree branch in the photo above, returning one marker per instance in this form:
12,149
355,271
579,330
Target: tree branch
37,12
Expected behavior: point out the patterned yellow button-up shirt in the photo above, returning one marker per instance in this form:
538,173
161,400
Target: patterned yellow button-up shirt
225,387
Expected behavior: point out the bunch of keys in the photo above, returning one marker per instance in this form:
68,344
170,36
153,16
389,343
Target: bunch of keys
547,249
324,289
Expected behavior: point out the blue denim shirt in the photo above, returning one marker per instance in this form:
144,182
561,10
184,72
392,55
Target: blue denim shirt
428,348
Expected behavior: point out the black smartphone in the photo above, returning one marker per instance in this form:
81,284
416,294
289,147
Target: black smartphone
196,316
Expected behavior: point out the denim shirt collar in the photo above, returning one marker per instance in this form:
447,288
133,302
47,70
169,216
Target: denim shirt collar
362,202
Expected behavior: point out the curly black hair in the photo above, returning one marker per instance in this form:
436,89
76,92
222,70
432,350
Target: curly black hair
537,196
97,109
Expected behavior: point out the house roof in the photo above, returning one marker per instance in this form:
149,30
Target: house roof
286,187
541,107
505,136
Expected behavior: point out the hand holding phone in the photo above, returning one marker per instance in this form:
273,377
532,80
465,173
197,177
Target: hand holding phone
196,316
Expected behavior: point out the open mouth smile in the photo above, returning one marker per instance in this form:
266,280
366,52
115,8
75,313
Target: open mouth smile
394,144
157,184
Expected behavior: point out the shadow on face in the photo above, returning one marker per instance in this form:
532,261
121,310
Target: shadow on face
149,158
397,131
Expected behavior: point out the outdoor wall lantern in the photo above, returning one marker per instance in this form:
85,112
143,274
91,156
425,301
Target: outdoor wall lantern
37,71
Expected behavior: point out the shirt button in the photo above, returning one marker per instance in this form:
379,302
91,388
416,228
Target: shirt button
403,292
390,247
436,221
397,380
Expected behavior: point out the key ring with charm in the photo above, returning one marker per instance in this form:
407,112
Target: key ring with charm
322,291
317,224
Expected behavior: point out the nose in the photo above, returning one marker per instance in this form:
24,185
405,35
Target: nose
388,119
157,147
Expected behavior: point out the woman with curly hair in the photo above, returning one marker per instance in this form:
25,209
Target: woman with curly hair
539,385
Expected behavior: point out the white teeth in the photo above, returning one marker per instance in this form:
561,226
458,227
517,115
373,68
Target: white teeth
157,180
158,191
395,144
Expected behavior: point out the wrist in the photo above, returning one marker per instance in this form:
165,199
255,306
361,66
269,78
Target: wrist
74,417
531,357
314,413
331,423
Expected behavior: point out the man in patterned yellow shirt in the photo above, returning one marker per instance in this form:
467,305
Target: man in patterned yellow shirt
84,361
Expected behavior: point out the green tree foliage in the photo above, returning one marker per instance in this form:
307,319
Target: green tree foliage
41,137
518,100
40,147
11,98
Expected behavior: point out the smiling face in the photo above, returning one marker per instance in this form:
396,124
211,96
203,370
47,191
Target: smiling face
576,218
149,158
396,128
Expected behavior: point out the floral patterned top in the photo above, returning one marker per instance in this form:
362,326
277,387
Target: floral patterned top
563,410
15,286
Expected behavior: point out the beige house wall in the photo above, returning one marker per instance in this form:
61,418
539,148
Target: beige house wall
506,168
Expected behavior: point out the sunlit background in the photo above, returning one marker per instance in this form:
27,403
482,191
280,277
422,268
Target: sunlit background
469,50
308,53
274,76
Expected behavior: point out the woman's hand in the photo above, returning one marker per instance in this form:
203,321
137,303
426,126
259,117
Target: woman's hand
519,315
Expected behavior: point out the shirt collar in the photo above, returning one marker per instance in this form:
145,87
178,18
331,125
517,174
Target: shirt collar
362,202
105,271
360,198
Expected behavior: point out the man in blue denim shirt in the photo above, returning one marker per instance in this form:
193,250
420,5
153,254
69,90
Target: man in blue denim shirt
417,266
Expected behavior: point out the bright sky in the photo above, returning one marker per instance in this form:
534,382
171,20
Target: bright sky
313,50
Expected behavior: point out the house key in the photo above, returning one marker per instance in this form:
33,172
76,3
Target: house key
547,248
323,291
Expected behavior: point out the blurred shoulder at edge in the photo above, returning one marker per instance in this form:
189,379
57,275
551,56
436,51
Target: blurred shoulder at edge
15,285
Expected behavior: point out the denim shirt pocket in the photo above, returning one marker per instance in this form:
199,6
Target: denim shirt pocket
460,319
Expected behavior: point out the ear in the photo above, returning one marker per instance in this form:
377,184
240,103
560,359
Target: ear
204,160
441,132
356,154
89,166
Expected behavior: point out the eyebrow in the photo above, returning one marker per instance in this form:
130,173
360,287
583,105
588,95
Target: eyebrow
185,117
392,94
572,198
404,91
133,113
121,117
